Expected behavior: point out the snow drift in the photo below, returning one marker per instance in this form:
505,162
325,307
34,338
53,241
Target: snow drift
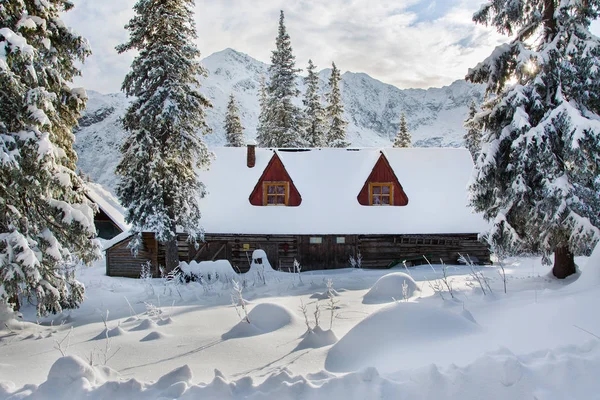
209,271
264,318
260,263
390,287
317,338
570,373
379,338
146,324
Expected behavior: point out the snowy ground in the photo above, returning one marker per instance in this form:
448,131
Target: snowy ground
540,340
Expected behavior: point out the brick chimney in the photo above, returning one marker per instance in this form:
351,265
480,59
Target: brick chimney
251,156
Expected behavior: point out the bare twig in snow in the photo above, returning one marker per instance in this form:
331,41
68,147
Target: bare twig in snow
304,311
61,346
588,332
332,302
239,302
445,280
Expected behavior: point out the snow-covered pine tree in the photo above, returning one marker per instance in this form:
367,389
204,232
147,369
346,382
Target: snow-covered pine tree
473,135
316,127
537,178
403,138
336,135
261,131
233,126
283,121
46,221
158,184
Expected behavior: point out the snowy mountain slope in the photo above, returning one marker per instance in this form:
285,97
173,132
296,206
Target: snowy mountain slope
435,116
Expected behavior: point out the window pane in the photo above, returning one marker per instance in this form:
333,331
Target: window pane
281,189
376,189
385,200
271,199
271,189
376,200
385,189
280,199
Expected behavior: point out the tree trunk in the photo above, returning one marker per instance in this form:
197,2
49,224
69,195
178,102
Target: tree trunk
15,301
564,263
549,19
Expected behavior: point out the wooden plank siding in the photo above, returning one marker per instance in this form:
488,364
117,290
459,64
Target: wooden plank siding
380,251
120,261
333,251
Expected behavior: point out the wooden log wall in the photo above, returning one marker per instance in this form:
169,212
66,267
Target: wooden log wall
380,251
313,252
334,251
120,261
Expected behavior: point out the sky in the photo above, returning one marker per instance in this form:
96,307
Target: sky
406,43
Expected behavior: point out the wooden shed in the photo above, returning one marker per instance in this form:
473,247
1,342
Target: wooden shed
109,219
323,206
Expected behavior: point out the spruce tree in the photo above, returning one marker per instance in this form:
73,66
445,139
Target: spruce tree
233,125
283,121
158,184
261,130
473,135
537,178
336,135
316,127
46,222
403,138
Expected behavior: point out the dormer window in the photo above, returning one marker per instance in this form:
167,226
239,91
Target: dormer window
382,187
275,187
276,193
381,194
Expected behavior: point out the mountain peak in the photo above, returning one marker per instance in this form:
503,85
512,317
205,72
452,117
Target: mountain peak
372,108
227,56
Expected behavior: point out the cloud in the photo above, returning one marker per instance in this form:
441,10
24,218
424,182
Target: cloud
411,43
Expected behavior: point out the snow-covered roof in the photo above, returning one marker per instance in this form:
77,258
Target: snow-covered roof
329,181
107,203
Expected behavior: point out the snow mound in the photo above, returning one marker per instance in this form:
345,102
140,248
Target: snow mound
6,388
381,337
154,335
165,321
324,295
118,331
70,369
144,325
178,375
264,318
260,263
317,338
389,287
34,336
209,271
569,373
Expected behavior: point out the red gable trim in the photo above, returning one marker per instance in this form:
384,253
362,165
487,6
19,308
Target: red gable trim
275,172
383,173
